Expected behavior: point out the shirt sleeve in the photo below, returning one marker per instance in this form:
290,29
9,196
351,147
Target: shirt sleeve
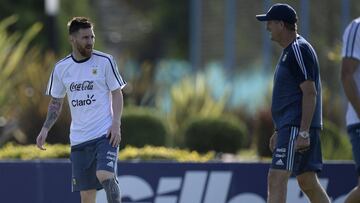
55,86
351,41
305,64
113,77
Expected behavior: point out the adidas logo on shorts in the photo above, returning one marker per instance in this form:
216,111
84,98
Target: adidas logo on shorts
279,162
111,164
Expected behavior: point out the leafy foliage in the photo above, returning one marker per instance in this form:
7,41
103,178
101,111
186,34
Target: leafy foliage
192,97
14,48
32,104
12,151
264,128
162,153
334,143
31,11
23,75
24,72
141,126
165,31
223,134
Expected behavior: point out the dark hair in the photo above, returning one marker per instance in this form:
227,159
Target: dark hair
77,23
290,26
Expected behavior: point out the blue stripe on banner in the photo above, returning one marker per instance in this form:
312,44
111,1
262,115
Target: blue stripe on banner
113,69
354,39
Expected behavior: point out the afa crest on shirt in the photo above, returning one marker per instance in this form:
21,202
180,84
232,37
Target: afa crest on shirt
94,71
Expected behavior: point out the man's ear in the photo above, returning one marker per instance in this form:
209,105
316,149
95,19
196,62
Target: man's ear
282,24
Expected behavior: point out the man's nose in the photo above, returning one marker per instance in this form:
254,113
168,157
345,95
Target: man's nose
90,41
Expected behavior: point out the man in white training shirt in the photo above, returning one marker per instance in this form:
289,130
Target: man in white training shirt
350,77
92,83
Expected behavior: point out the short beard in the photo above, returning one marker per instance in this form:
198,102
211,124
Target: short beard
84,52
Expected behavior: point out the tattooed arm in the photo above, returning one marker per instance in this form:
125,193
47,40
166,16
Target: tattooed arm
53,114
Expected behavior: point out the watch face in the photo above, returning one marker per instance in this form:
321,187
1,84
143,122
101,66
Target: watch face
304,134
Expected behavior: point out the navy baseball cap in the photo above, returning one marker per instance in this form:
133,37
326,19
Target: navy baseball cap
282,12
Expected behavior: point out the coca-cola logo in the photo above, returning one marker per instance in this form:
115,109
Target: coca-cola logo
82,86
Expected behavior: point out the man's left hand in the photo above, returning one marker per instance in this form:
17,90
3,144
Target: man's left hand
302,143
114,134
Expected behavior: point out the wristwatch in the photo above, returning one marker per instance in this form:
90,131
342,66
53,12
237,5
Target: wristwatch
304,134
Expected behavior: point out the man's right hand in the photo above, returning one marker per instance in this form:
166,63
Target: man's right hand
40,140
272,142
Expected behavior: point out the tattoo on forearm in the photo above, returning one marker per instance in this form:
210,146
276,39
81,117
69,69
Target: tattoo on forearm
54,111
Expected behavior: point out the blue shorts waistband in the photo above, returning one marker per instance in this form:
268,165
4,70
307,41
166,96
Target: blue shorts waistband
89,142
353,126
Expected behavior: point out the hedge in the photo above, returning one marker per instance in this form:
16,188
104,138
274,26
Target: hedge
335,144
223,134
142,126
31,152
162,153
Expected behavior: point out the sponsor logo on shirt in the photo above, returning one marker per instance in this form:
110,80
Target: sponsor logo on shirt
82,86
83,102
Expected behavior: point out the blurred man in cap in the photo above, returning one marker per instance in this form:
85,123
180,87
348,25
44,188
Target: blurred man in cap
296,110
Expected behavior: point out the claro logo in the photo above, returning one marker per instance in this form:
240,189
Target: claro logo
196,187
83,102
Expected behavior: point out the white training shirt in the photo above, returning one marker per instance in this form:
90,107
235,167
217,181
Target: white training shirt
351,49
88,85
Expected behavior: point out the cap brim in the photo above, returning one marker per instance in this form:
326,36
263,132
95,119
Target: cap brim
262,17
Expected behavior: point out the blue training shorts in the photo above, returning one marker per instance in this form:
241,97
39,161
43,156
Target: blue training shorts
354,134
88,157
286,158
